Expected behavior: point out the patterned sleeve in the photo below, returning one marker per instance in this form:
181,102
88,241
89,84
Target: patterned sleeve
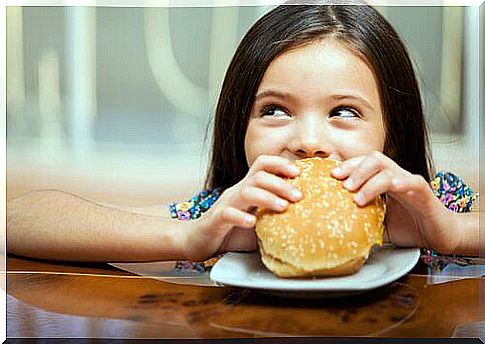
196,206
453,193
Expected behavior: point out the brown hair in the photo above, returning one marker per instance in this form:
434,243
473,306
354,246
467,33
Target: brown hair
362,29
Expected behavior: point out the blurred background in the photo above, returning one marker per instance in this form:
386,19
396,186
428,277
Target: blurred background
115,103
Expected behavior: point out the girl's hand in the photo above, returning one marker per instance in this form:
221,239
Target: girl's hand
415,217
229,224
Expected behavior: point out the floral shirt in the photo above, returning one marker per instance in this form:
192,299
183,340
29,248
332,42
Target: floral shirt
451,190
453,193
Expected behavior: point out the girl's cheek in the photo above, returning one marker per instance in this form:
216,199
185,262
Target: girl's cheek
262,140
359,144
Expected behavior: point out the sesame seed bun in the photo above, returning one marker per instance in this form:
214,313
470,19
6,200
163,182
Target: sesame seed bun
326,233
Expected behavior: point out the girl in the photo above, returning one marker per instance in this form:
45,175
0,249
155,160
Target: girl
328,81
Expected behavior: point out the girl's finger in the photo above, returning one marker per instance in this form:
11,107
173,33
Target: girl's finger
374,186
250,196
228,217
345,168
275,165
240,239
369,167
413,189
275,185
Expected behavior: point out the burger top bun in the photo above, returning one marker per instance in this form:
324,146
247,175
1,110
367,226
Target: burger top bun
326,233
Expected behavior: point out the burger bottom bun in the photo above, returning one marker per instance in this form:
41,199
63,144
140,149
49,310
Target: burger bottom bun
284,269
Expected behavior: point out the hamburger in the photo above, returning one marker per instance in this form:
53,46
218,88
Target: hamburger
324,234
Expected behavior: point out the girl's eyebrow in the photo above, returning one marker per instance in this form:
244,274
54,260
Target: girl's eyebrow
286,95
358,98
273,93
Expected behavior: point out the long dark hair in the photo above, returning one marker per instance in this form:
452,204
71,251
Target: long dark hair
360,28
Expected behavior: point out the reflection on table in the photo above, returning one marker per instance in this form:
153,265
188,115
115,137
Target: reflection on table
48,299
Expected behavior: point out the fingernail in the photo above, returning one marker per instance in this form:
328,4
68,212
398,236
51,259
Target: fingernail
294,169
348,183
249,219
359,198
296,194
337,170
281,204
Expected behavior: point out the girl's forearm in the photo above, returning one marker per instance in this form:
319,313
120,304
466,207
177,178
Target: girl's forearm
50,224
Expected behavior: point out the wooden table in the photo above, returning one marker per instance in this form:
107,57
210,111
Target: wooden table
71,300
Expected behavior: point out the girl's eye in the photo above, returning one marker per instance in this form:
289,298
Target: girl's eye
273,111
345,112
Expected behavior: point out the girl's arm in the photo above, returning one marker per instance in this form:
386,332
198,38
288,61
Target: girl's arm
51,224
467,227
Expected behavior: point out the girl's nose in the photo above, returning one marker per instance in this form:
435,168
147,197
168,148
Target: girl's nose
311,140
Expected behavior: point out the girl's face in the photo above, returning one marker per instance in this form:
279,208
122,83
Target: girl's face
316,100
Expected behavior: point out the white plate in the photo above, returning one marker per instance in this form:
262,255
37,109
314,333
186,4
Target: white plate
246,270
